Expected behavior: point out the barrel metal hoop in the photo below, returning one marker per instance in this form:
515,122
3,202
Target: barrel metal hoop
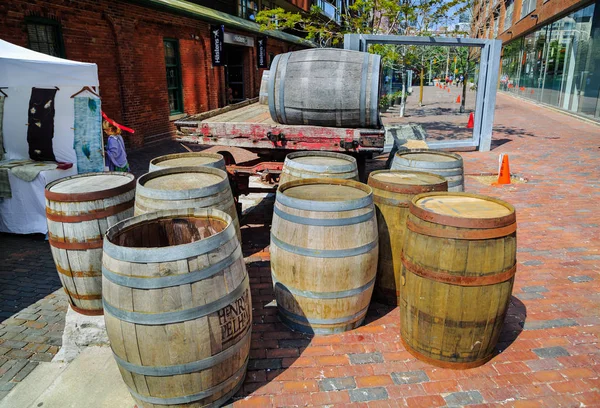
390,201
92,195
272,75
284,62
323,222
453,221
173,280
87,312
331,206
321,295
363,90
78,274
90,216
375,78
187,368
445,364
306,320
171,195
237,377
470,234
169,254
96,296
324,253
153,319
452,279
91,244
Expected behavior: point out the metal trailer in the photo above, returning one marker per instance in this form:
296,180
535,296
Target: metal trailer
248,125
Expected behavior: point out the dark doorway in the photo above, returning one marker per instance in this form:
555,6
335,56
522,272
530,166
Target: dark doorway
234,74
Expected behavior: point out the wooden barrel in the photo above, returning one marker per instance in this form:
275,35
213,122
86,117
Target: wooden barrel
185,187
325,87
459,263
447,165
392,192
323,254
79,210
188,159
317,164
177,307
263,95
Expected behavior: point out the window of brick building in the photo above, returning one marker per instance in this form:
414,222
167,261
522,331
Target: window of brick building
44,36
174,86
527,7
247,9
508,16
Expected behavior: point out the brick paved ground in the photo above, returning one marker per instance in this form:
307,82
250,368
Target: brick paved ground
549,345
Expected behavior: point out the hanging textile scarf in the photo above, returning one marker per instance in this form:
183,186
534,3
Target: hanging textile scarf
40,129
88,135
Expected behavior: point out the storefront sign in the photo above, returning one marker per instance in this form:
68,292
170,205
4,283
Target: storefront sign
238,39
216,44
261,53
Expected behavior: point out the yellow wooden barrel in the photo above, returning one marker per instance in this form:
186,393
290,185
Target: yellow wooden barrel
459,262
392,192
188,159
323,254
176,188
315,164
177,307
79,210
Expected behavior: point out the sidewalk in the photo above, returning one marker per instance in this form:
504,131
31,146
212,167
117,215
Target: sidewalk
550,354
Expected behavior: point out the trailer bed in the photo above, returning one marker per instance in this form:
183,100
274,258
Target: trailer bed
249,126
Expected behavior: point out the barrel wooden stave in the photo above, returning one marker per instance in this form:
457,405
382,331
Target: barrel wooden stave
317,294
188,159
455,325
156,199
446,164
325,87
392,191
263,94
202,336
80,269
317,164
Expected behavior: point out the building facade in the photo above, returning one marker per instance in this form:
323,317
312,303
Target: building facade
154,57
551,50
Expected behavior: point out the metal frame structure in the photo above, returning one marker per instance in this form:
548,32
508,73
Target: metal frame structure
489,66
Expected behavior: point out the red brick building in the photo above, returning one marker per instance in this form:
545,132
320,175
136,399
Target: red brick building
154,56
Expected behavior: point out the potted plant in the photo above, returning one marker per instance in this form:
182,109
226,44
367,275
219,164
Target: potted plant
384,103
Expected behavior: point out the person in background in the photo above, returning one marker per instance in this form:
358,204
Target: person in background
115,158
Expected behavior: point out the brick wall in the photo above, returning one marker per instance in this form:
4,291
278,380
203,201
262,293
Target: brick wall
126,42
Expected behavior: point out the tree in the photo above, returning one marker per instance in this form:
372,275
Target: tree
404,17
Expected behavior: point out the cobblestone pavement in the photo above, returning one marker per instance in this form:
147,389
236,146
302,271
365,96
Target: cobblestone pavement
549,353
32,307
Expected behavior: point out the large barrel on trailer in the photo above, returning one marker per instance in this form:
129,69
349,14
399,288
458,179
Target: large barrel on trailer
459,262
79,210
325,87
177,306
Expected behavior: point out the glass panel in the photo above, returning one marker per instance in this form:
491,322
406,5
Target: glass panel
43,38
510,5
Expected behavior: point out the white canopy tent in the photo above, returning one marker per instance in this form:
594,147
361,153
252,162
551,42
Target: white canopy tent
22,69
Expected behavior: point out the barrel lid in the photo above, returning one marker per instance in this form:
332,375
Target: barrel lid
179,183
428,156
321,161
90,186
463,210
407,181
185,159
325,195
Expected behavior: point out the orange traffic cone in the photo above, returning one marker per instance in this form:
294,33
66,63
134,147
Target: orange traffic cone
471,123
458,99
504,171
448,90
